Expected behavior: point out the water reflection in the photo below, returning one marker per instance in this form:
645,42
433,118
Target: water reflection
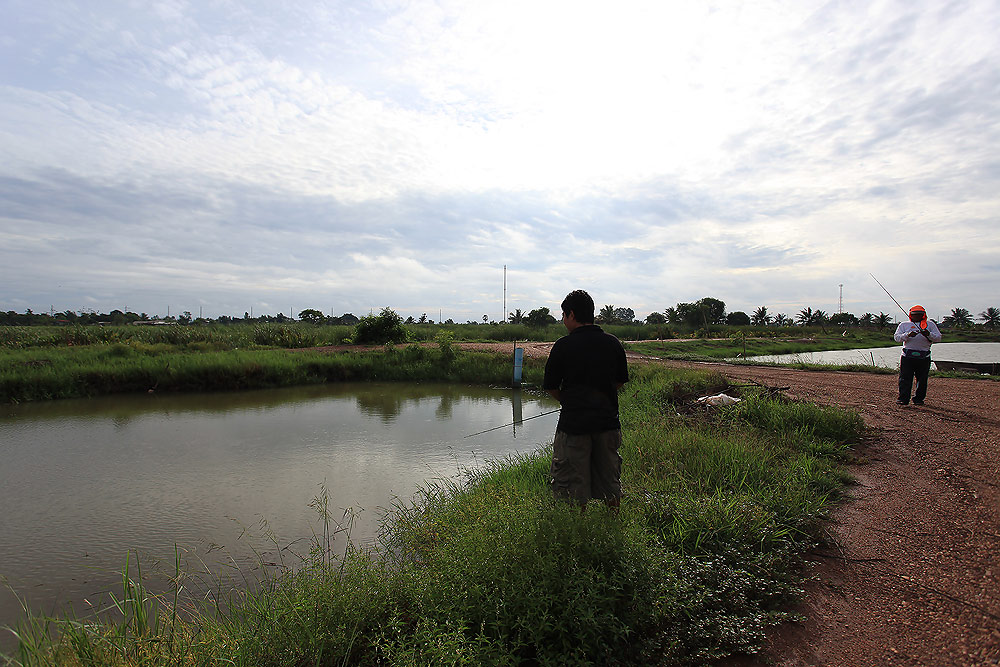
83,481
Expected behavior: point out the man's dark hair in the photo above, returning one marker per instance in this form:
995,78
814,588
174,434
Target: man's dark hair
581,304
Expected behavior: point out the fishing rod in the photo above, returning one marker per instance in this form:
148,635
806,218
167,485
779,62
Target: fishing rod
890,296
513,423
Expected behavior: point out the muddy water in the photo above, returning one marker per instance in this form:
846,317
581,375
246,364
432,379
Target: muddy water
224,475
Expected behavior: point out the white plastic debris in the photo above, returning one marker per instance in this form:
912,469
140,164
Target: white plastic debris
718,399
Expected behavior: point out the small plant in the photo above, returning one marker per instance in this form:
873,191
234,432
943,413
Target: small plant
445,348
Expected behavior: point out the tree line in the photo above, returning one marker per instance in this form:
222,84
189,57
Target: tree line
705,312
710,311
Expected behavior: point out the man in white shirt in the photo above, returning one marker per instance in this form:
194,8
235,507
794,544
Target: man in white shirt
916,335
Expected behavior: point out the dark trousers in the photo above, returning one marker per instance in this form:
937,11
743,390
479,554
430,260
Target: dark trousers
909,368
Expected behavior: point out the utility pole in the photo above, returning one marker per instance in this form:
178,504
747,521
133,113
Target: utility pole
841,307
504,318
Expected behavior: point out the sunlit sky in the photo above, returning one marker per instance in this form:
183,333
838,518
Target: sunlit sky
220,156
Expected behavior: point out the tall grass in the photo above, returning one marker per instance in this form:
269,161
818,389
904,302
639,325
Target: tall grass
702,558
213,337
47,373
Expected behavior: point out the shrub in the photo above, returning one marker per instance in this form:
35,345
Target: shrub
386,327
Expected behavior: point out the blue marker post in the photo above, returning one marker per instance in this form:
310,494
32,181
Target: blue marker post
518,364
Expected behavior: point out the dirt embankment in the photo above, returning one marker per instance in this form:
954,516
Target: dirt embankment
913,578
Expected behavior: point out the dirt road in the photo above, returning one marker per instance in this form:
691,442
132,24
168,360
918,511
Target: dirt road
914,578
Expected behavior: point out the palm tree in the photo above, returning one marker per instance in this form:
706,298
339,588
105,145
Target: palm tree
805,316
883,320
760,318
516,317
959,317
867,320
990,317
782,320
672,315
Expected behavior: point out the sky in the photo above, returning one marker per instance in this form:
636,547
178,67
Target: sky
220,157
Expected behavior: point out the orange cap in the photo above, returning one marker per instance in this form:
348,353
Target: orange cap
923,320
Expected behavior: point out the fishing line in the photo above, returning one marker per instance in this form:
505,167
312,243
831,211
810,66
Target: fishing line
513,423
890,296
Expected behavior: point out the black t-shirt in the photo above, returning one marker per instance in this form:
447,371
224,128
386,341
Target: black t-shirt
586,366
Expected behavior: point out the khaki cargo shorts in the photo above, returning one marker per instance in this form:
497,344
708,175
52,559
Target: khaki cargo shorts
587,466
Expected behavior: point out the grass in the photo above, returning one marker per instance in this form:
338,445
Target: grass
193,338
704,556
67,372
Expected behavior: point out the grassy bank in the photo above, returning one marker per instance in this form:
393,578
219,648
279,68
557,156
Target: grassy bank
702,559
737,346
68,372
259,335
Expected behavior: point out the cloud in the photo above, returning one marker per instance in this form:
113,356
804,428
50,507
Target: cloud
402,153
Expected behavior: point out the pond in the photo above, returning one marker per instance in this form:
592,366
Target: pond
888,357
225,476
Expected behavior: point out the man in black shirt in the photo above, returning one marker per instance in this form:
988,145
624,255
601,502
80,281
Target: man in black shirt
584,371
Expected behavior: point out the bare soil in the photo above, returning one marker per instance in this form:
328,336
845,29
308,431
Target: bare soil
911,573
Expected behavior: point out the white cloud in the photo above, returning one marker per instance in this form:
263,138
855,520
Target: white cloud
757,151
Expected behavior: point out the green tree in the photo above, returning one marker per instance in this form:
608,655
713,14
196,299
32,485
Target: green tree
348,319
656,318
539,317
960,318
703,312
782,320
118,317
607,315
386,327
517,317
867,320
713,310
808,317
844,319
882,320
624,315
311,315
737,318
760,318
673,315
990,317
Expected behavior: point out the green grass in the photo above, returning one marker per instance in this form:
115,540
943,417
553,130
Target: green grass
246,335
47,373
195,338
704,556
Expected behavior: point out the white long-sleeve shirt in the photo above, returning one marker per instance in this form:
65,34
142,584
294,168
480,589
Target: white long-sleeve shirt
918,342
